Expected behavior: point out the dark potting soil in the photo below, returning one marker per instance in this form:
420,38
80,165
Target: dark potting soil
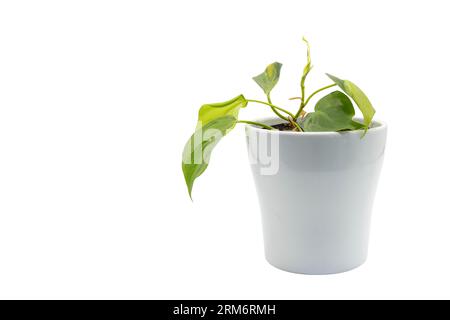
283,127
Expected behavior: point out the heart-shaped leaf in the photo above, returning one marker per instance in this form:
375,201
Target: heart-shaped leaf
269,78
212,111
334,112
358,96
197,151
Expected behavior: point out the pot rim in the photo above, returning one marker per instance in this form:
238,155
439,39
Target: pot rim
380,126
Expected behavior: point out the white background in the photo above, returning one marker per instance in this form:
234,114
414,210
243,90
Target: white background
97,99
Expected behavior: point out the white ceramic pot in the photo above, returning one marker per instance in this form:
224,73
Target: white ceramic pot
316,192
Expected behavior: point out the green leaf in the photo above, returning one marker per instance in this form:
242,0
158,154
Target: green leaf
358,96
212,111
198,149
214,122
334,112
269,78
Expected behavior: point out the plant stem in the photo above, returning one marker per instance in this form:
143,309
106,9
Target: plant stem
295,124
304,103
302,87
275,110
317,91
265,126
274,107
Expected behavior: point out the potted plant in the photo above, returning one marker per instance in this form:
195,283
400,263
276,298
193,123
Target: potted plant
315,171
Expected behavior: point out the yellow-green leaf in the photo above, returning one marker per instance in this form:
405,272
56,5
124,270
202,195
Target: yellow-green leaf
308,65
212,111
269,78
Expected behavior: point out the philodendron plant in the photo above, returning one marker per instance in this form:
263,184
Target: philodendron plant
333,112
